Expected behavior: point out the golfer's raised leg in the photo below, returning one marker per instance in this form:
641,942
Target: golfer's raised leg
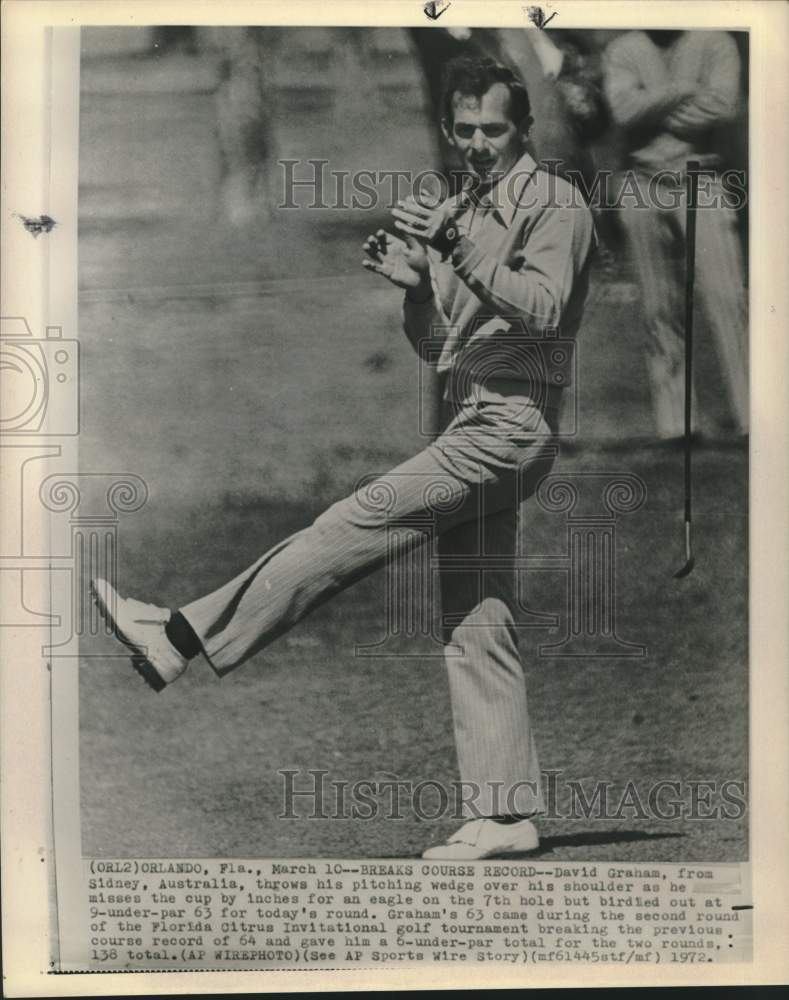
445,482
142,628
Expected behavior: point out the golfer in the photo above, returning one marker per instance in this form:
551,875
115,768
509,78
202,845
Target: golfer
488,275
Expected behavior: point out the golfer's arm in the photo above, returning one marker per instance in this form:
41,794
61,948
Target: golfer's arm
554,253
426,327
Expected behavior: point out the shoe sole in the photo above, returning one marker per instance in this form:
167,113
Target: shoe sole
139,661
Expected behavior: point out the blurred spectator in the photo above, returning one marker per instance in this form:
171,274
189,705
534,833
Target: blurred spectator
246,102
575,137
670,92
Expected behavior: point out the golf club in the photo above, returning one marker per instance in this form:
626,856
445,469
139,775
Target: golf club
691,190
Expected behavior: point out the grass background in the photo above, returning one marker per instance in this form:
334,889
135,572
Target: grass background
250,376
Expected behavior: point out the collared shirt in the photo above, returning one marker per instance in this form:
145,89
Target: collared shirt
645,84
515,285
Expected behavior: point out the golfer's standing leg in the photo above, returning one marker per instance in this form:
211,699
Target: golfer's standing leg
481,614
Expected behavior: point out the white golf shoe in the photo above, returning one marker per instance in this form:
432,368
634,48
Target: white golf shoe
141,627
484,838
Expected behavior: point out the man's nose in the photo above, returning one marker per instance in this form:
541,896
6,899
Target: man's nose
478,139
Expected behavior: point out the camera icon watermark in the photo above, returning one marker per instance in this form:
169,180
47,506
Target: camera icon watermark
39,381
61,525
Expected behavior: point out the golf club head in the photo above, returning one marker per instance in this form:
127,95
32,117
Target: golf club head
690,561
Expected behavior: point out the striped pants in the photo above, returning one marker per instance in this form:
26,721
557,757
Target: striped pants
657,241
464,492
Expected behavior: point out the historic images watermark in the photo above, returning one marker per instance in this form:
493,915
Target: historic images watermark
314,184
314,795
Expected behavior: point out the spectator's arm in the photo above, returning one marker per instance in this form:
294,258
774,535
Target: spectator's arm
632,104
717,100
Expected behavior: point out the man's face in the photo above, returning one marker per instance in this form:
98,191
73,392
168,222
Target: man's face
482,131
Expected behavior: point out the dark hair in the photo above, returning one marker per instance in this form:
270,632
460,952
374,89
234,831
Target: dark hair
473,76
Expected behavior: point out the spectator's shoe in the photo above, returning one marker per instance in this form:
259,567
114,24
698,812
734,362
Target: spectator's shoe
141,627
484,838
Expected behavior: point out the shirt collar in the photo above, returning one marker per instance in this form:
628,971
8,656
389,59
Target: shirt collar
507,193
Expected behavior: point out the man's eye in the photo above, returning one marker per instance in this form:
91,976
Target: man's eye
490,131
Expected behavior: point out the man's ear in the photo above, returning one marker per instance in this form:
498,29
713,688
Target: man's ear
525,128
446,128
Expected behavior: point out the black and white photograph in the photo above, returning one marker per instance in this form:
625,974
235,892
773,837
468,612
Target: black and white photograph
396,328
391,434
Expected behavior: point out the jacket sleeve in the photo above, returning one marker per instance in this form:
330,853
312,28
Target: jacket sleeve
717,101
555,251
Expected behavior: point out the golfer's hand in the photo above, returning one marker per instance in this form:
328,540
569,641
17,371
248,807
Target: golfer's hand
403,262
421,222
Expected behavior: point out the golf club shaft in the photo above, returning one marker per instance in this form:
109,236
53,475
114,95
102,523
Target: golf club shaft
691,188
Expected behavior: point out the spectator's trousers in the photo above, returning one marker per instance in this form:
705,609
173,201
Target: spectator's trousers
657,240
